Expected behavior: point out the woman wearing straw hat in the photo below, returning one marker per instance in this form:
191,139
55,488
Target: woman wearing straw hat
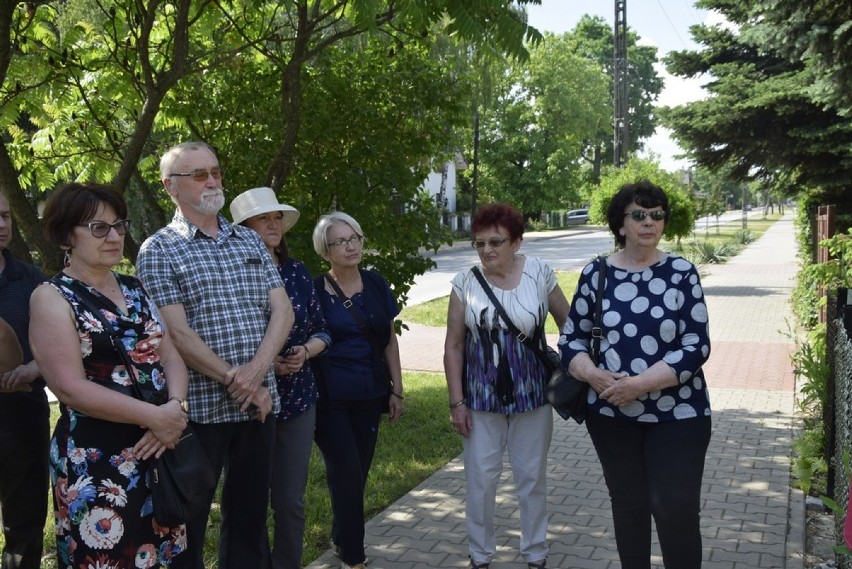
259,210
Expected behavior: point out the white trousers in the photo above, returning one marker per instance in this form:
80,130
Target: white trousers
527,438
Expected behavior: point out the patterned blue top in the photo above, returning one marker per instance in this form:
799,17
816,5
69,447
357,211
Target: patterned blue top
488,343
298,391
223,285
654,314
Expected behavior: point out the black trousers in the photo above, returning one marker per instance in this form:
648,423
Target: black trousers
23,495
244,450
654,469
346,435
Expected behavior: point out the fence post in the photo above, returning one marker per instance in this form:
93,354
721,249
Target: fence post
825,229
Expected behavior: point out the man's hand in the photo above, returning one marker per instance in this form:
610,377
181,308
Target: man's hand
244,382
19,379
263,404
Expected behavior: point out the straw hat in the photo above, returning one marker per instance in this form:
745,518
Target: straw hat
262,200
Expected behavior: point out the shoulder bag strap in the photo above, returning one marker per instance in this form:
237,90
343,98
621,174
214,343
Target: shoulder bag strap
84,297
359,320
597,329
523,338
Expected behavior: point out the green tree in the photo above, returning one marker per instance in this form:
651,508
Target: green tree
761,119
682,207
533,136
592,38
819,33
97,90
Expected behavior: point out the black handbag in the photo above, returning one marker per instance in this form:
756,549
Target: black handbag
565,392
180,480
381,370
181,476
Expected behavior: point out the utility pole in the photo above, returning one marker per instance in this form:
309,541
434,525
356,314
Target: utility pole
621,118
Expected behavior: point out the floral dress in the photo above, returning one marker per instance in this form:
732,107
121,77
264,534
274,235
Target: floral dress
102,502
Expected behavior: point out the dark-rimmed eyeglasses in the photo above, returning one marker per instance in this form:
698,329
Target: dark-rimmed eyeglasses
354,240
201,174
101,228
641,214
493,243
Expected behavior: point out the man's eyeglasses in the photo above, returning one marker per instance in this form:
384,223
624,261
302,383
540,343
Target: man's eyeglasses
201,174
101,228
354,240
641,214
493,243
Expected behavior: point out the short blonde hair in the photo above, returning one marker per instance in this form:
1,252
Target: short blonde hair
323,225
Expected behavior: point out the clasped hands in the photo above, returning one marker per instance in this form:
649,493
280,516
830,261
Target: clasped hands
616,388
164,432
245,386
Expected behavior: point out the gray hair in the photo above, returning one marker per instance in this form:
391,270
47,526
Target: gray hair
173,153
323,225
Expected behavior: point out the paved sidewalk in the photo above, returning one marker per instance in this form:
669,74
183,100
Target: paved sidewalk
751,518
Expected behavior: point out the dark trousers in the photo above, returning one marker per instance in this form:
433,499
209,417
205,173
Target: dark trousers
654,469
294,439
346,436
23,495
244,451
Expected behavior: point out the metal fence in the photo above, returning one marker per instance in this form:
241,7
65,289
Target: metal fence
838,410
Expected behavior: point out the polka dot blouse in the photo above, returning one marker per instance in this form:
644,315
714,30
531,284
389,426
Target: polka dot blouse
657,313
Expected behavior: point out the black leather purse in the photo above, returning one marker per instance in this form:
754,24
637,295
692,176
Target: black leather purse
566,393
181,476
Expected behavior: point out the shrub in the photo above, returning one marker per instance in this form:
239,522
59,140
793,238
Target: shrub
703,252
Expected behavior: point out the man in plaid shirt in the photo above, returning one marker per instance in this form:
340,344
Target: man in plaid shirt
224,305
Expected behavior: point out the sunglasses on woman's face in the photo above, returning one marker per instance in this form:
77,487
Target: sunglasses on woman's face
641,214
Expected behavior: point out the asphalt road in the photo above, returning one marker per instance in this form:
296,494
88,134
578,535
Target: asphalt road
564,250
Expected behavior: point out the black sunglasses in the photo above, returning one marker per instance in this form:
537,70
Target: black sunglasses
641,214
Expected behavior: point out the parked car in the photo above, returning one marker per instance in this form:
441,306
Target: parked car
577,217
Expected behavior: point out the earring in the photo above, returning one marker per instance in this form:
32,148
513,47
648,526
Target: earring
67,259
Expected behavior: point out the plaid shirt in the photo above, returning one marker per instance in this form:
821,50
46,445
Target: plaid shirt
223,285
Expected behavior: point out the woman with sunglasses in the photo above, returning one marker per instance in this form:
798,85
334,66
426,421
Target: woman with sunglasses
497,384
649,411
112,419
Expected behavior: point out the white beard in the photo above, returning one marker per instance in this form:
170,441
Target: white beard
211,202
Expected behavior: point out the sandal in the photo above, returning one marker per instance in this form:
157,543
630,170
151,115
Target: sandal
540,565
475,565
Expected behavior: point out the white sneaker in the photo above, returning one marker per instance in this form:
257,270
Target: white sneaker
345,565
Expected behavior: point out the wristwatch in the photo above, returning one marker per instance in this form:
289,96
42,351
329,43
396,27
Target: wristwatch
184,404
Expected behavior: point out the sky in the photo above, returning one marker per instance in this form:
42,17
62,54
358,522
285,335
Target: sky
662,23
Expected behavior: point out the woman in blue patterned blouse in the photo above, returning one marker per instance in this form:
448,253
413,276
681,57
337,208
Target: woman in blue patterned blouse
649,412
496,384
259,209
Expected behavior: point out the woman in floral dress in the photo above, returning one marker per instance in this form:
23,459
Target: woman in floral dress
113,420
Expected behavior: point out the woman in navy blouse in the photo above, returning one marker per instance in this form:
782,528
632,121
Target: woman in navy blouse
357,382
649,411
259,209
